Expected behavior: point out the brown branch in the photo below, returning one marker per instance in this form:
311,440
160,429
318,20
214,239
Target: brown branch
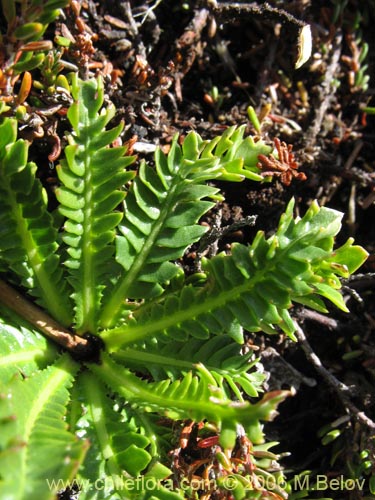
233,10
42,321
323,319
326,92
341,389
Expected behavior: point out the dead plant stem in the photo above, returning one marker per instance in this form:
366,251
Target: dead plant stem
38,318
342,390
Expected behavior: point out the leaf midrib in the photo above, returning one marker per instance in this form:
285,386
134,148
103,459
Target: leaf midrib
112,308
122,335
116,337
59,375
50,295
133,389
88,281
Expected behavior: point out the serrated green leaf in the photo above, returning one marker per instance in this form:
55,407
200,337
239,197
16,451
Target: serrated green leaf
189,397
29,240
39,404
121,442
239,288
87,198
160,210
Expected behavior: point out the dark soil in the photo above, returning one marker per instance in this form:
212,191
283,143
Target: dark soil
173,66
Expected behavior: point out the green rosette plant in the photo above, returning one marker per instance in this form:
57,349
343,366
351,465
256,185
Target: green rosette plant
144,345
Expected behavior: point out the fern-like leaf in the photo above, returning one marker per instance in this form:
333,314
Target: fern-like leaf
173,348
91,175
27,237
163,207
161,212
38,405
126,445
255,286
220,355
194,397
238,156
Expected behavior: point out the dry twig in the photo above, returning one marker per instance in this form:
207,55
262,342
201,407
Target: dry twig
86,347
341,389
